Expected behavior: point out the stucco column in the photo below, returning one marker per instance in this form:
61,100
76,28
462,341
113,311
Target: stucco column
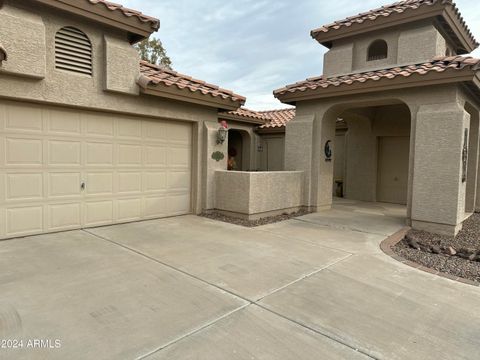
438,203
299,138
215,158
471,190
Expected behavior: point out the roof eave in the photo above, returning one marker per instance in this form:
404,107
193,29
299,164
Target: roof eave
270,130
326,38
415,80
137,29
185,95
465,42
244,119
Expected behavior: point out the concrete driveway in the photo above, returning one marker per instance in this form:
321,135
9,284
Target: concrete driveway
316,287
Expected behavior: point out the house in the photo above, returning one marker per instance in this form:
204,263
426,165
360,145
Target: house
89,134
401,80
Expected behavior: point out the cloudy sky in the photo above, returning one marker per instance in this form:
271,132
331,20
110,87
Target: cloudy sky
255,46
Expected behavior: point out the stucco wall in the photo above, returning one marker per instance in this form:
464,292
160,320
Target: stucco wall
433,132
28,31
23,37
253,193
71,89
407,44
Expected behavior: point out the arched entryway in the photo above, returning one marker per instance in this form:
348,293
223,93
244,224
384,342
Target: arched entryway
238,150
371,157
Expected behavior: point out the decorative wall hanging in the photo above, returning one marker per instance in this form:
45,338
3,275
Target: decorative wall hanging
218,156
465,156
328,151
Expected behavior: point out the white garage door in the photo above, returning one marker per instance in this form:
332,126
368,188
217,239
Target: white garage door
131,168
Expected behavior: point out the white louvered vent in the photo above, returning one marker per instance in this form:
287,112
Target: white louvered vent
73,51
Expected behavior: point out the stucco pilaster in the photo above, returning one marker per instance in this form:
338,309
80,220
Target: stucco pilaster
299,138
215,158
438,190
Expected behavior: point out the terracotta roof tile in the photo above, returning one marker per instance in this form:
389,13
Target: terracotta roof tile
278,118
157,75
439,64
388,10
247,113
155,23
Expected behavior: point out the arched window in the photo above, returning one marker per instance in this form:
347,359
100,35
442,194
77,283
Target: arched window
73,51
377,50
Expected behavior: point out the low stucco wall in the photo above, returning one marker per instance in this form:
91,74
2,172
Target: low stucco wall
253,194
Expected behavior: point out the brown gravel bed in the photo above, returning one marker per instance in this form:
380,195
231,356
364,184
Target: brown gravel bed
254,223
468,237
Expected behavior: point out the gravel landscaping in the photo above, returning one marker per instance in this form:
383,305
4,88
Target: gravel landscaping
459,256
254,223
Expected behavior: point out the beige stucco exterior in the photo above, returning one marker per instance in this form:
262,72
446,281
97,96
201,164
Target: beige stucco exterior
258,194
30,80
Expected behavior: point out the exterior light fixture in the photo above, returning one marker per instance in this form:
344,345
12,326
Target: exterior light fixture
222,132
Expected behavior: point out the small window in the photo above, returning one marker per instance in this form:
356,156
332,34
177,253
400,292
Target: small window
377,50
73,51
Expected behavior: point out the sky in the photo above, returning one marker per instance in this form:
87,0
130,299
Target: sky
256,46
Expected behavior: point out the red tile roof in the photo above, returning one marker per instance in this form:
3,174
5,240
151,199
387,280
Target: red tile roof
277,118
155,23
247,113
388,10
157,75
439,65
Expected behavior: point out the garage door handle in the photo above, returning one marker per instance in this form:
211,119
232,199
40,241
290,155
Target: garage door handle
82,186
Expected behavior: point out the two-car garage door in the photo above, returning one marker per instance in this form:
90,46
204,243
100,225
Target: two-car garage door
64,169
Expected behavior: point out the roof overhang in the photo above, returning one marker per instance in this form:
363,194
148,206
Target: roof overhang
446,15
271,130
243,119
136,28
448,76
185,95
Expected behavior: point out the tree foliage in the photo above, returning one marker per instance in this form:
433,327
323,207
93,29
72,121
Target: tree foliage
152,50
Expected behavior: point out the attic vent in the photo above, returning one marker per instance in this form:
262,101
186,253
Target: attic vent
73,51
377,50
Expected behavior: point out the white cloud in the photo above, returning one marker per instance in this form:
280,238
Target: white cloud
256,46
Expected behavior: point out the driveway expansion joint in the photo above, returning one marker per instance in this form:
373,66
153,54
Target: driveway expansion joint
247,301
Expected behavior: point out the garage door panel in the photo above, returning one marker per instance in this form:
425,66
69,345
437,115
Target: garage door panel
155,181
99,154
129,155
99,184
24,119
155,130
133,169
129,209
98,213
24,220
155,156
99,125
64,153
64,184
156,206
64,123
178,180
22,186
23,152
179,158
64,216
179,134
177,204
129,128
129,182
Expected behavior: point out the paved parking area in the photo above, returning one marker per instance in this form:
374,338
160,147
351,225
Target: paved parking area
316,287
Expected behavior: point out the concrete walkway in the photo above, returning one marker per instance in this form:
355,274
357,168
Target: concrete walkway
316,287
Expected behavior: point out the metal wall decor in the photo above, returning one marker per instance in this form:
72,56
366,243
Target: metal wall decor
218,156
465,156
328,150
